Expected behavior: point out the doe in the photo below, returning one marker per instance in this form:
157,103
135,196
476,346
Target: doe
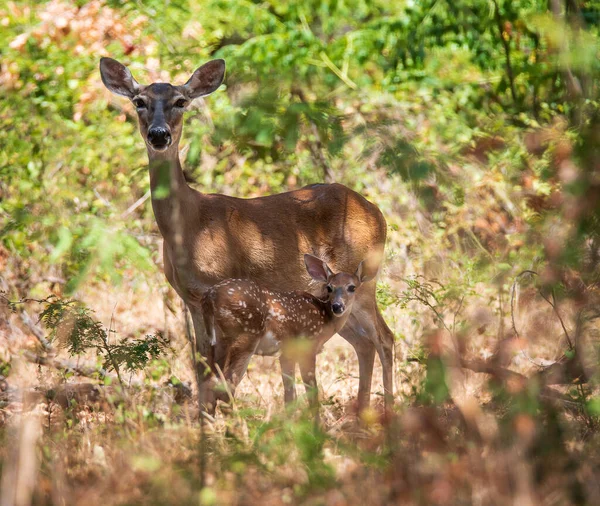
243,319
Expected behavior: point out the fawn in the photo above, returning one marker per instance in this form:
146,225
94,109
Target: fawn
243,318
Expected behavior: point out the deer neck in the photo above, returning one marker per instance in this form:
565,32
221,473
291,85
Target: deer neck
170,192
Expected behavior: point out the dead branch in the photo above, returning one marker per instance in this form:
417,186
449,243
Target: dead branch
566,371
36,330
503,375
499,373
66,366
84,394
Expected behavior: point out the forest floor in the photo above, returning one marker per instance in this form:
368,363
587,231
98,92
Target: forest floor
142,444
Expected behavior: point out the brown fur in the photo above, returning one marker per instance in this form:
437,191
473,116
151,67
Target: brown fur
208,238
243,318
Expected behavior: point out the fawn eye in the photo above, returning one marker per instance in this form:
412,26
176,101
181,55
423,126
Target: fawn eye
351,288
139,103
181,103
329,289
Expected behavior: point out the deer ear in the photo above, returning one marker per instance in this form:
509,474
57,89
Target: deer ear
317,269
206,79
362,273
117,78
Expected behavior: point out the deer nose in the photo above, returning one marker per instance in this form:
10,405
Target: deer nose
337,308
159,137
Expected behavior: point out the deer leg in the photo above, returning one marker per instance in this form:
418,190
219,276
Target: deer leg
366,360
308,371
288,373
367,324
201,360
213,391
355,334
385,350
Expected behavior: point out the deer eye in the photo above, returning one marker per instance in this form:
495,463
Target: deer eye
351,288
181,103
139,103
329,289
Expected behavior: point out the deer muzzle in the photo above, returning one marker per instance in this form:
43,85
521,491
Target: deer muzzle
159,138
337,308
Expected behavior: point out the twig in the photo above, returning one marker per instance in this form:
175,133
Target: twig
512,298
513,291
37,332
421,293
136,204
106,347
317,153
49,359
462,299
562,323
55,279
426,303
316,149
225,386
569,404
107,203
506,45
333,67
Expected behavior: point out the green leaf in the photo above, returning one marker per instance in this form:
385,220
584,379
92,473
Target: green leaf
63,244
593,406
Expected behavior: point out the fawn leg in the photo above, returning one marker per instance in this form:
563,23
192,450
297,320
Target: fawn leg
288,373
308,371
236,363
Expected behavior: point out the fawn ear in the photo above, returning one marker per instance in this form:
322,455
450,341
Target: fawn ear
205,79
317,269
362,273
117,78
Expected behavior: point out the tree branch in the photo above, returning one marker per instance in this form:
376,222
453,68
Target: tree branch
506,45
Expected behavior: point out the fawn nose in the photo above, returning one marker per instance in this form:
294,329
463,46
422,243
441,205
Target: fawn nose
337,308
159,137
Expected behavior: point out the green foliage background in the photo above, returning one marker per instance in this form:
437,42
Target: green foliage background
423,106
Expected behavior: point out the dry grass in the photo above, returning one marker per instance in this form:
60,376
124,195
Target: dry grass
476,447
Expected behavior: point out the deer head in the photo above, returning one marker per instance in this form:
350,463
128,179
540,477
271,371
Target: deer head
340,287
160,106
